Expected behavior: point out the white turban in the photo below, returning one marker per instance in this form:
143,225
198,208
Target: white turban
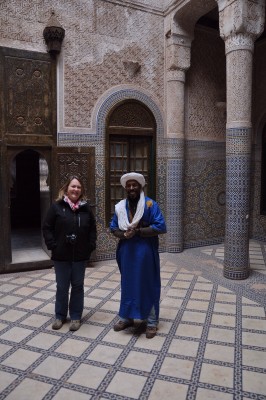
132,176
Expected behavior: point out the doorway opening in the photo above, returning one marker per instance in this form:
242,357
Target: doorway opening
29,201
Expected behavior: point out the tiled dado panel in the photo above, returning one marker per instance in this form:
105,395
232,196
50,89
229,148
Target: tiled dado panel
204,193
172,157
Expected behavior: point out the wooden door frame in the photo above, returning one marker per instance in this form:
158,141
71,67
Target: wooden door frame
132,131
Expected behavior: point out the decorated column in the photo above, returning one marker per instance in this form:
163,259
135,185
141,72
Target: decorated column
241,22
178,61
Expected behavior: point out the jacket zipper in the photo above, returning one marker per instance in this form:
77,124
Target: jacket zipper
74,231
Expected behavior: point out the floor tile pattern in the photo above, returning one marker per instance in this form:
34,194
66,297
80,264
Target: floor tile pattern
211,342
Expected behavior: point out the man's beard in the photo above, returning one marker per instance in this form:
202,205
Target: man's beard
133,201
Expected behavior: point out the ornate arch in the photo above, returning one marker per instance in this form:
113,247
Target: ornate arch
117,97
101,112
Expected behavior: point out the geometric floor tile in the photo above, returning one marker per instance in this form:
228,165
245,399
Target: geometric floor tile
210,344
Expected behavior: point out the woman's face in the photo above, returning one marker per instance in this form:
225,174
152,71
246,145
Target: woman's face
74,190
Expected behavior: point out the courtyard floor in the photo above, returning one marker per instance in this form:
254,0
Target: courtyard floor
211,342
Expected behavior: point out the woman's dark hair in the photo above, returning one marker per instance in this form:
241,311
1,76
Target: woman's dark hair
63,189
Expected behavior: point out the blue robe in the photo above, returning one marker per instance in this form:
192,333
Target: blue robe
139,265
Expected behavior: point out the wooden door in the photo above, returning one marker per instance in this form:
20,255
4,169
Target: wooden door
78,161
131,134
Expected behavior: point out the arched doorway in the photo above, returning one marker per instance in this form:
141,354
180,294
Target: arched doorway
131,134
29,200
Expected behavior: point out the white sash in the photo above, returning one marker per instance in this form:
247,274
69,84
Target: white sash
121,212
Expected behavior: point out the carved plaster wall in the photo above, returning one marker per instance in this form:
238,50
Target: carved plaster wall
95,60
258,221
100,37
206,87
259,93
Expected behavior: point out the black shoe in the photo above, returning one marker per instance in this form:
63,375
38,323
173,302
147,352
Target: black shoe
151,332
121,325
140,328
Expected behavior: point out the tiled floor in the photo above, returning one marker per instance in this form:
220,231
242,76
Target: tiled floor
211,343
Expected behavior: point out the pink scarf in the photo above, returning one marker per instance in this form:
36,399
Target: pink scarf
73,206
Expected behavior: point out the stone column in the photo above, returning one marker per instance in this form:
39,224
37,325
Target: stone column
240,24
178,50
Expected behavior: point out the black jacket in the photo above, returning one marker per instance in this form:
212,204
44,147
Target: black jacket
60,222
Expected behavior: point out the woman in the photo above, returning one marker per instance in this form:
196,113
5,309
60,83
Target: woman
69,231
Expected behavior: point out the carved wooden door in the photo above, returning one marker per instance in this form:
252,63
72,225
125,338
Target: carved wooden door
28,95
27,123
69,161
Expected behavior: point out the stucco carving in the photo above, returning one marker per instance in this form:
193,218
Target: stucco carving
178,52
240,41
241,21
177,62
241,16
92,62
176,75
205,87
239,71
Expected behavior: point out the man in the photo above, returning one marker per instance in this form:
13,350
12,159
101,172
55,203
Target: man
137,222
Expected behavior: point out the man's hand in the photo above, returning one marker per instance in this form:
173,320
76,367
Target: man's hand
129,233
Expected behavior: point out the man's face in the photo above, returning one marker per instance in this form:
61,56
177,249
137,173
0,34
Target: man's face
133,189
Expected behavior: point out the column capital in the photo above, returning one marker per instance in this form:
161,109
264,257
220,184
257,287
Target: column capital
178,39
178,51
239,41
241,21
176,75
